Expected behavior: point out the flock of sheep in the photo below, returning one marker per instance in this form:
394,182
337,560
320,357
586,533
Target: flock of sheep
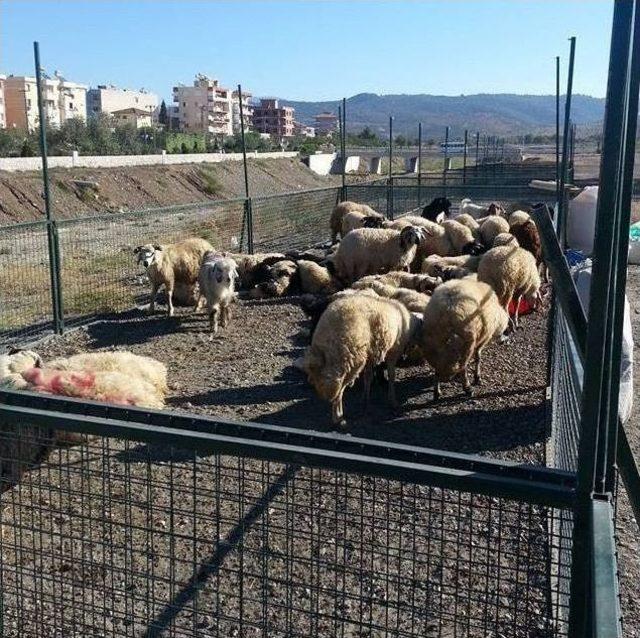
434,288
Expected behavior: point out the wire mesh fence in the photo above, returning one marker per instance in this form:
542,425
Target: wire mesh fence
114,537
25,280
293,220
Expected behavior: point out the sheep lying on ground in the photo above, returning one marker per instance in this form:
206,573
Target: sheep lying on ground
172,263
461,318
412,300
512,273
13,364
341,210
355,334
431,265
254,269
281,279
217,278
436,208
316,279
491,227
400,279
368,251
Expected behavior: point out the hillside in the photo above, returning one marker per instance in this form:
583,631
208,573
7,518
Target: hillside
499,114
139,187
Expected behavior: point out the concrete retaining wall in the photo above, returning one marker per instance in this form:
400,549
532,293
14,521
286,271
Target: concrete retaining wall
110,161
325,163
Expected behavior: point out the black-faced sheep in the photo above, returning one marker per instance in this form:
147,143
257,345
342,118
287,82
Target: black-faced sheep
217,278
368,251
354,335
435,208
512,272
341,210
461,318
254,269
355,219
172,264
281,278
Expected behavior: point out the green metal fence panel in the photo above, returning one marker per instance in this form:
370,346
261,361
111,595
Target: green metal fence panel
126,535
25,282
98,268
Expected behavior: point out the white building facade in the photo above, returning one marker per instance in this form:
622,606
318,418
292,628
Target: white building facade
109,99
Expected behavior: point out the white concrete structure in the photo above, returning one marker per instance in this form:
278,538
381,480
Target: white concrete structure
302,129
109,99
204,107
135,117
325,163
63,100
76,160
247,111
3,118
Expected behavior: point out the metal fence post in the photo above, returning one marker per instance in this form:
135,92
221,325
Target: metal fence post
446,160
52,232
603,340
390,177
477,153
558,192
343,142
419,164
464,159
248,212
565,132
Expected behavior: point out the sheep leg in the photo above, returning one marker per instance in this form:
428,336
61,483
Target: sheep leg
436,388
169,288
196,308
154,292
391,374
337,412
367,378
225,315
516,317
464,377
213,320
476,372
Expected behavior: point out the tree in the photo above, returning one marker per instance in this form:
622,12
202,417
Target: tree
184,148
28,148
162,116
401,140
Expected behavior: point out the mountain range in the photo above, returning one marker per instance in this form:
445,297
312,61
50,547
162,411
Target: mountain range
494,114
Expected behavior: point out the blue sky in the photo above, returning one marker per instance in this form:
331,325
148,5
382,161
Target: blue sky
313,50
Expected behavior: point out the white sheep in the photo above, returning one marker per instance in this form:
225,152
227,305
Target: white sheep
401,279
341,210
505,239
519,217
114,377
412,300
491,227
461,318
356,333
166,265
368,251
357,219
217,280
477,211
512,272
316,279
470,222
13,364
433,264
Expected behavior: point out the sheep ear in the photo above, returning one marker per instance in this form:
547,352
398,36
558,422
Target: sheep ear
157,247
440,218
14,350
137,249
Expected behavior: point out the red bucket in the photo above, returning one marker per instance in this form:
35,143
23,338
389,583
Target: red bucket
525,307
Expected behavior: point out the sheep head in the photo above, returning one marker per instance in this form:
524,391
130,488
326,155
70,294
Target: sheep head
474,248
411,236
436,207
372,221
147,254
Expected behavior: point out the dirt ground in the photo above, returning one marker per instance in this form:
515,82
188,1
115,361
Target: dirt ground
628,540
141,187
346,555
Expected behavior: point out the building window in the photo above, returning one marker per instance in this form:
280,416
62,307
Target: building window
71,105
184,104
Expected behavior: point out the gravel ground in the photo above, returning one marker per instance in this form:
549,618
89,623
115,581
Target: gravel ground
114,538
627,528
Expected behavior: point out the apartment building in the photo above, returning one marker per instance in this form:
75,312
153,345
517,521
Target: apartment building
109,99
247,111
272,118
63,100
326,123
205,107
3,119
